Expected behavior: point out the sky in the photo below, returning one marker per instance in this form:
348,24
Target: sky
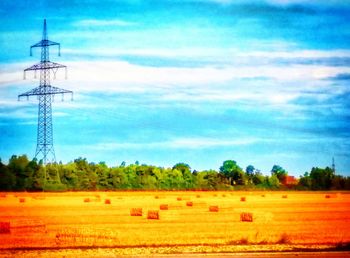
194,81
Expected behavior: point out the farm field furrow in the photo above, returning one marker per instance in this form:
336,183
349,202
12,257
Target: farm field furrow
84,220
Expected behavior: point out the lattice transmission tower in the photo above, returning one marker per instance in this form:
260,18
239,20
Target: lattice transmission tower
45,94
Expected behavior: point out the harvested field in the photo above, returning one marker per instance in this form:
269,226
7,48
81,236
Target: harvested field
62,220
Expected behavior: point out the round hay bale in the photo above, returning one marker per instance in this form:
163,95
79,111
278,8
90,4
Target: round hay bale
108,201
243,199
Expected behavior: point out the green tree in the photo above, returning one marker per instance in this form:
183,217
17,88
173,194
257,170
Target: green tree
250,170
7,178
233,172
183,167
321,179
280,172
258,178
305,181
273,181
117,179
17,166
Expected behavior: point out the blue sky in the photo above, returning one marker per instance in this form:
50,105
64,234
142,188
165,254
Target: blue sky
195,81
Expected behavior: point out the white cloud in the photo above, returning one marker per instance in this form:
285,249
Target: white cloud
297,54
104,23
176,143
226,83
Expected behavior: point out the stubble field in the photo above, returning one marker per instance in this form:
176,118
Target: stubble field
188,222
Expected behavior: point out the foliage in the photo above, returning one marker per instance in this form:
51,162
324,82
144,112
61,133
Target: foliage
233,172
323,179
280,172
20,174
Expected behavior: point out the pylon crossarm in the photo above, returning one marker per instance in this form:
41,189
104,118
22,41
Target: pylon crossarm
48,90
45,65
45,43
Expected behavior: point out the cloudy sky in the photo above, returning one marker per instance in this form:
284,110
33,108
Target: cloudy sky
195,81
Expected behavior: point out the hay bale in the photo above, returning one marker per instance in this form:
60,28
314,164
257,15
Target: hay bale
153,214
22,199
108,201
263,195
198,196
247,216
87,200
136,211
5,227
243,199
189,204
214,208
284,196
156,197
224,195
164,207
179,198
2,195
327,196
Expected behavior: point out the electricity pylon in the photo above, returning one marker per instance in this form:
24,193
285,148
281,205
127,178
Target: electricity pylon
45,94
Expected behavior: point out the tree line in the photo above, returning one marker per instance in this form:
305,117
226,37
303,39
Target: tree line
22,174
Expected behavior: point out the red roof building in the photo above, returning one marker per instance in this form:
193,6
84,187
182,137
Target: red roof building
290,180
